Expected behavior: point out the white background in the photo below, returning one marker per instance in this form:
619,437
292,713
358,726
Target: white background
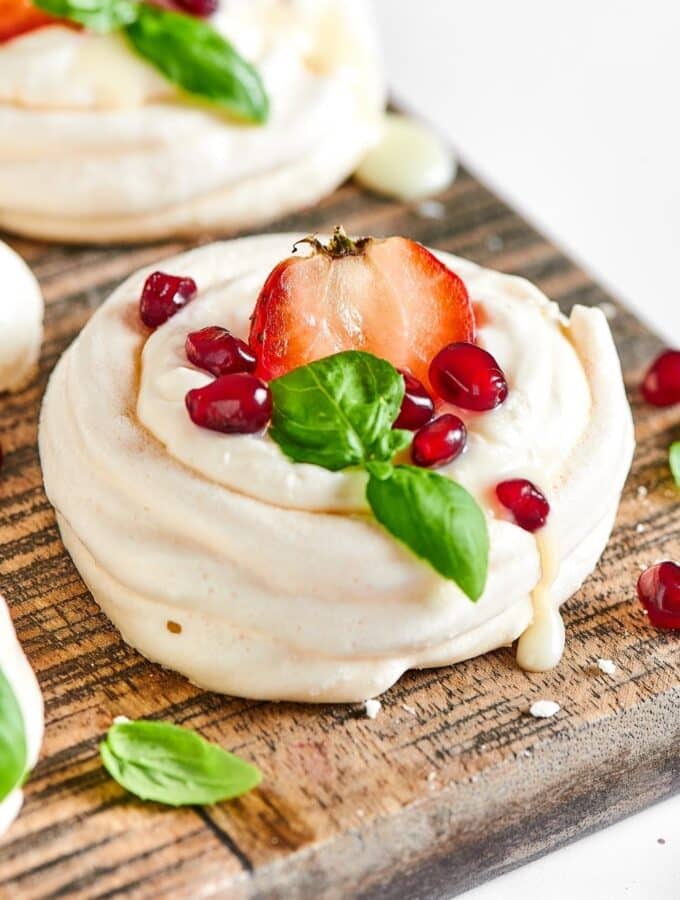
571,111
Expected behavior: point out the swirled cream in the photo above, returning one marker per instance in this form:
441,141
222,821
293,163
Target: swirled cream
97,146
17,671
252,575
21,318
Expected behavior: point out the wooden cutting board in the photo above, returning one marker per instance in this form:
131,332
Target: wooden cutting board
454,782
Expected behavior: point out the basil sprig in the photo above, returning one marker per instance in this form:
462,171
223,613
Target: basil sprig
338,413
187,50
674,461
13,748
173,765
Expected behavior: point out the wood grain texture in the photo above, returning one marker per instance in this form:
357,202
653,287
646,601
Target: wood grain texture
453,782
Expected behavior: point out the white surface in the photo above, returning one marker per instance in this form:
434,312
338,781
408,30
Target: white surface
624,862
570,111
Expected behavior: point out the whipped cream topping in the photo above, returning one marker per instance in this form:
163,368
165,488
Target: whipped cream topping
523,435
17,671
267,579
21,317
98,146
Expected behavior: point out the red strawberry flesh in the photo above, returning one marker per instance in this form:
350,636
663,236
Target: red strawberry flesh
389,297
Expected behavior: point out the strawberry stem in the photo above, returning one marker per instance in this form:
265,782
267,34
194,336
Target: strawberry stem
339,245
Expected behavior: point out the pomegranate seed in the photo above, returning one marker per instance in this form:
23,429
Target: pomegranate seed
659,591
233,404
525,501
217,350
661,385
200,8
417,407
164,295
439,442
469,377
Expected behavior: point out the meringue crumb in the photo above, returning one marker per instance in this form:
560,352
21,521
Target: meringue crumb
544,709
121,720
608,309
431,209
642,491
640,528
372,708
411,710
606,666
642,567
431,776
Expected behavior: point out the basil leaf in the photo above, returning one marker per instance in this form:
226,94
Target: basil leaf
13,749
97,15
173,765
674,461
437,519
191,54
338,411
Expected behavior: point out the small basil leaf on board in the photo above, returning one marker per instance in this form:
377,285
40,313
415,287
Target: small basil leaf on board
97,15
338,411
13,749
438,520
192,55
674,461
173,765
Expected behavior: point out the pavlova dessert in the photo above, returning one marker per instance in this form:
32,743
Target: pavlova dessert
123,120
21,720
296,475
21,321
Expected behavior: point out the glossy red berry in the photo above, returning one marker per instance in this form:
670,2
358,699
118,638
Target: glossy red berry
417,407
164,295
232,404
659,591
439,442
217,351
661,384
525,501
467,376
200,8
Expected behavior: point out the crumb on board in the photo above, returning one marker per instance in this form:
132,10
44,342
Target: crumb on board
606,666
411,710
544,709
642,491
641,528
372,708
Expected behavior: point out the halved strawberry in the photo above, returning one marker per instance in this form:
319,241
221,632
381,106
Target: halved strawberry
20,16
390,297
